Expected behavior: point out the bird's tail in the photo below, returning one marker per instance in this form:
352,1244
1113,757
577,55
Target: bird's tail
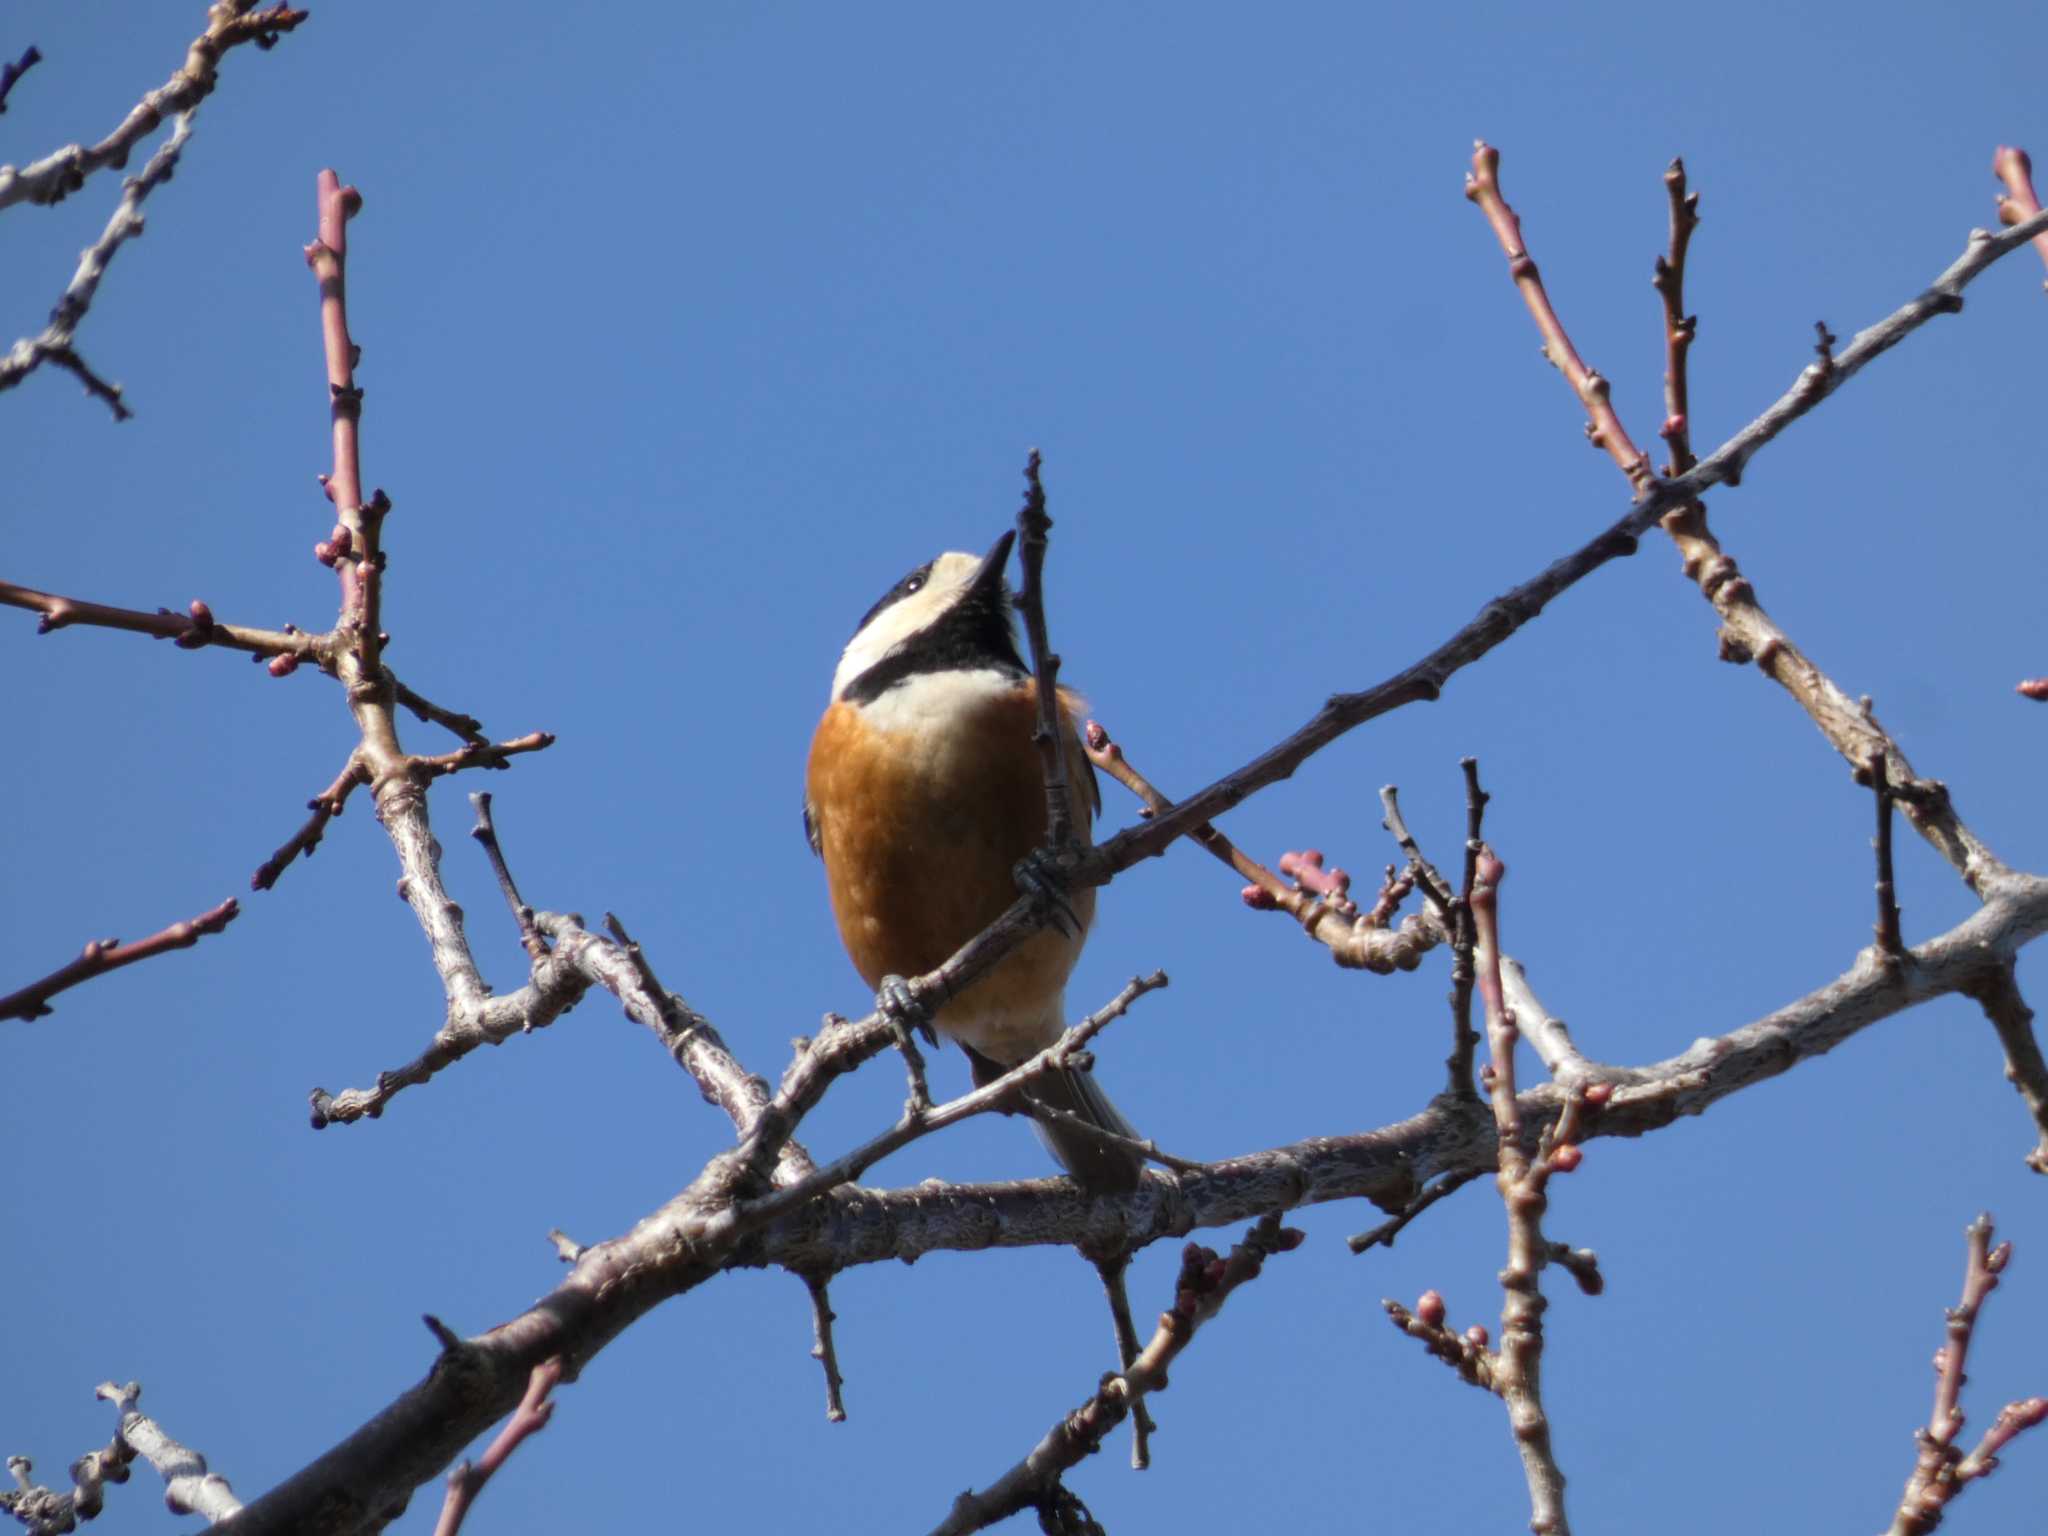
1096,1166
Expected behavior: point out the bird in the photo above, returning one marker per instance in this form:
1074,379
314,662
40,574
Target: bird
923,794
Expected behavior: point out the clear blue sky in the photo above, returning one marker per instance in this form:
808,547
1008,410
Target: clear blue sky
687,330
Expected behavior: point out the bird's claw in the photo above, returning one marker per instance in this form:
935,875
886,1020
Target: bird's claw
1040,878
899,1004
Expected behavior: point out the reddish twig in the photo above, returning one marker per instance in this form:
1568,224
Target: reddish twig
325,806
2018,204
529,1418
2035,688
1748,633
1513,1372
103,955
1206,1282
192,630
1109,757
1679,327
1503,617
1942,1469
1603,426
482,755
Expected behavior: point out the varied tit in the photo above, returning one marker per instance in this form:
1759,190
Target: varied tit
924,793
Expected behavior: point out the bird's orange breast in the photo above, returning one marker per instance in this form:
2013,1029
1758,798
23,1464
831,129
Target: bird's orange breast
921,822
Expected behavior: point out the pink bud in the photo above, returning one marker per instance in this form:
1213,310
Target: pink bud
1476,1336
1429,1308
284,665
1598,1094
1258,898
201,614
1564,1159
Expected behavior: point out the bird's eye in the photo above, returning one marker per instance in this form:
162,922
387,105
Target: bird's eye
913,584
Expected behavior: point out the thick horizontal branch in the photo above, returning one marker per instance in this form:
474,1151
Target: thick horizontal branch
678,1247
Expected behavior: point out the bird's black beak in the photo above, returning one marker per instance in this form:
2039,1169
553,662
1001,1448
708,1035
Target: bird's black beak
987,585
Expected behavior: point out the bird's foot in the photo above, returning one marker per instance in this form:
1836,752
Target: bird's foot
1039,876
899,1006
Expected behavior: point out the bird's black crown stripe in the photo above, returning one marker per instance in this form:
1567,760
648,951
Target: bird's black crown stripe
974,635
914,582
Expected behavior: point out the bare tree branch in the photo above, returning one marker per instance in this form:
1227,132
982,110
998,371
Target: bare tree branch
1501,618
1206,1282
12,72
1941,1470
528,1419
2019,203
103,955
229,24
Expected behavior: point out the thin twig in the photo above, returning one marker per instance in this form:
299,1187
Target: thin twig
486,832
1431,883
192,630
1387,1231
1941,1470
1002,1093
1603,426
1998,994
468,727
103,955
528,1419
1748,633
54,344
1050,733
1356,941
1890,943
1114,1270
10,73
823,1349
1206,1282
1507,614
1523,1184
489,754
325,806
230,23
2018,204
1679,327
1464,961
1107,755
